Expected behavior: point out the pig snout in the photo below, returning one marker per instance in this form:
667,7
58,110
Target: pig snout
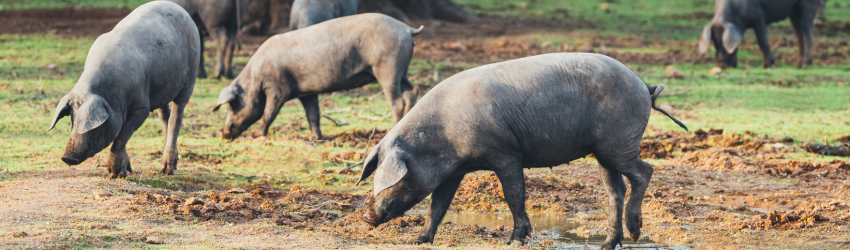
226,135
74,154
70,160
368,219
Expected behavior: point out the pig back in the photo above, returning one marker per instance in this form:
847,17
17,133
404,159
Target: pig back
154,51
549,109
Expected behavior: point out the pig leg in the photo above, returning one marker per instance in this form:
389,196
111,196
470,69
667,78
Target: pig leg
221,41
761,35
802,24
616,189
390,80
273,104
311,108
513,186
639,173
409,93
441,198
119,162
169,153
230,47
164,114
202,71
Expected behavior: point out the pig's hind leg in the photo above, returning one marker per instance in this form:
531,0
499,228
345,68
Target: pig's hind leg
639,173
175,121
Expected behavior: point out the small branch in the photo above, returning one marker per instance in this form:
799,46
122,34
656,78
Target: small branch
337,111
675,93
366,150
338,124
190,131
369,117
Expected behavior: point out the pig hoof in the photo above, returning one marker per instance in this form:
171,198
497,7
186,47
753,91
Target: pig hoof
423,239
611,242
516,243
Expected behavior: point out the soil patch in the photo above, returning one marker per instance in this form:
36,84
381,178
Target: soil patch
66,22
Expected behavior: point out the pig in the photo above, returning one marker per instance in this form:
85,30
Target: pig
308,12
221,20
733,17
339,54
149,60
538,111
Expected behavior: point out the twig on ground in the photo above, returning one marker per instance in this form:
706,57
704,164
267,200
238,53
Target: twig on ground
369,117
336,123
675,93
366,150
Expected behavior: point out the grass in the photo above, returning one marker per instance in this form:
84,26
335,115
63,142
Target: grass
660,19
815,105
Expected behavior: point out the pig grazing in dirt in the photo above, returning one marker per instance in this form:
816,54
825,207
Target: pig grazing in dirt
339,54
220,19
308,12
733,17
538,111
147,61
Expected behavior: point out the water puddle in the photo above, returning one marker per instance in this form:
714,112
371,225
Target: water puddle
558,227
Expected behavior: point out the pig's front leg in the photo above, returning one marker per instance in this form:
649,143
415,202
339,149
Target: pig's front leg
119,162
441,198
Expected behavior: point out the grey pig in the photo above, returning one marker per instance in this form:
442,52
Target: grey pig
733,17
539,111
220,19
147,61
308,12
339,54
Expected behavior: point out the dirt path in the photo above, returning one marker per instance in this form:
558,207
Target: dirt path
69,208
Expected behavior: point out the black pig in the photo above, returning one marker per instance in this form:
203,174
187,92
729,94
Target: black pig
538,111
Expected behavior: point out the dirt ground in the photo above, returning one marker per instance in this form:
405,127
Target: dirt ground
746,191
491,40
714,189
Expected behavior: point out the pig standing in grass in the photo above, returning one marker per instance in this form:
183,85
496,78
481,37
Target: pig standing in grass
539,111
149,60
733,17
308,12
339,54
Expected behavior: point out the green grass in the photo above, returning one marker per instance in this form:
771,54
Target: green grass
647,18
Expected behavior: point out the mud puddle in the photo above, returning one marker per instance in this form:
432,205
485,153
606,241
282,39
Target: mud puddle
555,230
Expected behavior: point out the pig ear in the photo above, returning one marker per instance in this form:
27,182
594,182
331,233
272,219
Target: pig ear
390,172
63,109
731,37
91,114
227,95
369,165
705,40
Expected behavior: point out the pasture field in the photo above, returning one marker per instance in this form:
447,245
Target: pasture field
739,179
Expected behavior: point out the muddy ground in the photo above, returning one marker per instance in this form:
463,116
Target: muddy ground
711,189
718,189
493,39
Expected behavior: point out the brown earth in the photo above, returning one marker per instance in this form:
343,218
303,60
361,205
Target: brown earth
490,40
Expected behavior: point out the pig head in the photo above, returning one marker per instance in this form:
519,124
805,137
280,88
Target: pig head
94,125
